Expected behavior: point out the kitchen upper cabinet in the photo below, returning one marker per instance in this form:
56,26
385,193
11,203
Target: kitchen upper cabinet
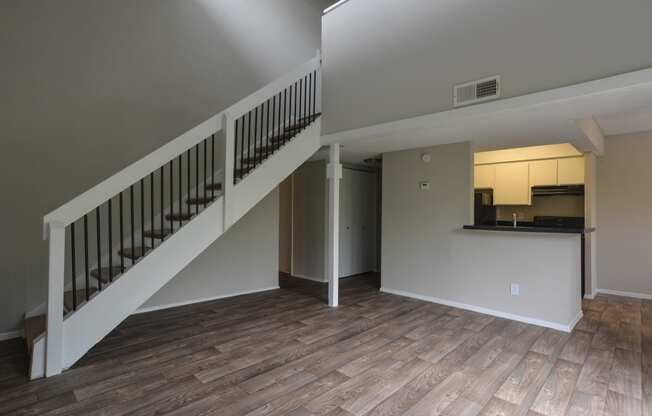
571,171
512,185
543,173
484,176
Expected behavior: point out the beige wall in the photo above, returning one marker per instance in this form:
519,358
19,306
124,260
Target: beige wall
426,253
89,86
285,226
624,213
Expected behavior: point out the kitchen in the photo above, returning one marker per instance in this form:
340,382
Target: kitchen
538,189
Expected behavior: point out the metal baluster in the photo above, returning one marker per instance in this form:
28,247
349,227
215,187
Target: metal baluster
261,153
151,208
180,194
188,182
301,95
249,157
213,163
122,236
205,202
110,206
142,215
242,124
305,102
314,96
267,132
294,124
274,123
99,248
162,203
172,195
86,272
133,234
73,266
197,178
255,141
279,124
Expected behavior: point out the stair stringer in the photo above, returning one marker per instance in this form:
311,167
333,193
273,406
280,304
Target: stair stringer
86,327
265,178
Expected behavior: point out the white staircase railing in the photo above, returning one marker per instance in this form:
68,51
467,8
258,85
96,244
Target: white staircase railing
250,170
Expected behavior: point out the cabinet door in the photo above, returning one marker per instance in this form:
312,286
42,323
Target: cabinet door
484,176
571,171
512,184
543,173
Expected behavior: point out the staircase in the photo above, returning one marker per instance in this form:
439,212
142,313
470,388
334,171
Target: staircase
114,246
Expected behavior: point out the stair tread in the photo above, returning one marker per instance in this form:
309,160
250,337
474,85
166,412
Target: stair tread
158,233
200,200
81,297
134,252
302,122
34,326
177,216
214,187
105,273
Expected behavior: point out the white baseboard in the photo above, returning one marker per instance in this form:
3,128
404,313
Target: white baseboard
538,322
4,336
314,279
192,302
589,296
625,294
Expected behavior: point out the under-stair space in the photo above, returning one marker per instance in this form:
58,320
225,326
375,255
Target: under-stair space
114,246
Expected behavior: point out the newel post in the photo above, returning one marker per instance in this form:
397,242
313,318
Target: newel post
54,340
228,124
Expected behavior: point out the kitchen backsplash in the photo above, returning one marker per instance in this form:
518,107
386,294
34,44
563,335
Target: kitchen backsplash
559,205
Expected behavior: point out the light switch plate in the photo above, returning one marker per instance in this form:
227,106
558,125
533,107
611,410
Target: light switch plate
515,289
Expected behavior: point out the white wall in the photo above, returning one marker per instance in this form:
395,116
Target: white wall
90,86
426,254
244,259
386,60
624,213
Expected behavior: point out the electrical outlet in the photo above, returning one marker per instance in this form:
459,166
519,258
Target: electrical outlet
424,186
515,289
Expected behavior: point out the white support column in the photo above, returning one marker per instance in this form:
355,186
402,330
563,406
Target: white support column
54,352
334,174
228,126
591,221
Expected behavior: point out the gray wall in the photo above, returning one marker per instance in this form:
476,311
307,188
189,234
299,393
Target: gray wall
309,216
244,259
386,60
90,86
425,252
624,202
285,226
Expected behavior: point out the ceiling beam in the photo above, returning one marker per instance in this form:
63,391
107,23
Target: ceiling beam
594,135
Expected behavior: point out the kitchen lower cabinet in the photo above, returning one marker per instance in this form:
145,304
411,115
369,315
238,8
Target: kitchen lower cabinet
512,184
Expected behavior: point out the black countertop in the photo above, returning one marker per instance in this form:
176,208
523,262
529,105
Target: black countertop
529,229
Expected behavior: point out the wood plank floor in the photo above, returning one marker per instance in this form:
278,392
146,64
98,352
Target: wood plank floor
285,353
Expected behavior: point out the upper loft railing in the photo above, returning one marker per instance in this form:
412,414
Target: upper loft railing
99,235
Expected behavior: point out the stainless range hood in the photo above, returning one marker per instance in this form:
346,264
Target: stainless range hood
558,190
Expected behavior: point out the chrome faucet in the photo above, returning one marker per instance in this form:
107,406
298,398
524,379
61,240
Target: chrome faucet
514,222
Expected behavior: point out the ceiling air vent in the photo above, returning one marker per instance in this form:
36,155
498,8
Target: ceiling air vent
476,91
